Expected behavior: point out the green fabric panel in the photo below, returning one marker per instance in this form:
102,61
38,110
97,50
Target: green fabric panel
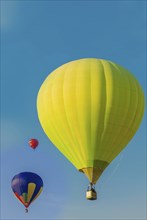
25,196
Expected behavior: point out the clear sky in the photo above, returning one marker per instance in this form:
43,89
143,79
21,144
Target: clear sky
36,38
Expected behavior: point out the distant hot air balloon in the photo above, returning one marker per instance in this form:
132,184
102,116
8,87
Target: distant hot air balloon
90,109
27,187
33,143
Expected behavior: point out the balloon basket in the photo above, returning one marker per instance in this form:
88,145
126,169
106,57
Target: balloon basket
91,195
26,210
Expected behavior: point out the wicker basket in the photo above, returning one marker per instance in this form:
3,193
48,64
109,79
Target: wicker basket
91,195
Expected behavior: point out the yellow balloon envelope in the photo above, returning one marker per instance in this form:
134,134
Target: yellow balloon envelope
90,109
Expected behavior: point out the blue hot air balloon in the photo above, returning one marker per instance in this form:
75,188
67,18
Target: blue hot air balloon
27,186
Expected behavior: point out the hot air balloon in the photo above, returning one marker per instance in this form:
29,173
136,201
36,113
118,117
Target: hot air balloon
27,187
33,143
90,109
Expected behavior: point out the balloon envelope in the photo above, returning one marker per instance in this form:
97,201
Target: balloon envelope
27,187
90,109
33,143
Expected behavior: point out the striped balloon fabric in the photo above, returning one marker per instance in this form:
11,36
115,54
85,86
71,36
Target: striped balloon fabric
27,187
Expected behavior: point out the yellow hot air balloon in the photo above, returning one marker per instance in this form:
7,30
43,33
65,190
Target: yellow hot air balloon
90,109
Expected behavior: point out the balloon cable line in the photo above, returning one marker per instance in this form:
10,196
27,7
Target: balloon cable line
113,172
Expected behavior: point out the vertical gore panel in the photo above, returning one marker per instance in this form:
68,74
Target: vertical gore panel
24,197
37,194
49,116
82,105
31,189
98,107
69,94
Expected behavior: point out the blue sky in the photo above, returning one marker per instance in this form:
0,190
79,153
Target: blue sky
36,38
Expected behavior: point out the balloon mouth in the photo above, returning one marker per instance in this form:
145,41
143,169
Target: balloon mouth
94,173
33,147
26,204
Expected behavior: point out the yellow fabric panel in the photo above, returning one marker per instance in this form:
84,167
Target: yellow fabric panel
55,113
90,109
31,189
92,173
37,194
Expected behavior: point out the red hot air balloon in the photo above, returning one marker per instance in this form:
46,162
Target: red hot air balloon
33,143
